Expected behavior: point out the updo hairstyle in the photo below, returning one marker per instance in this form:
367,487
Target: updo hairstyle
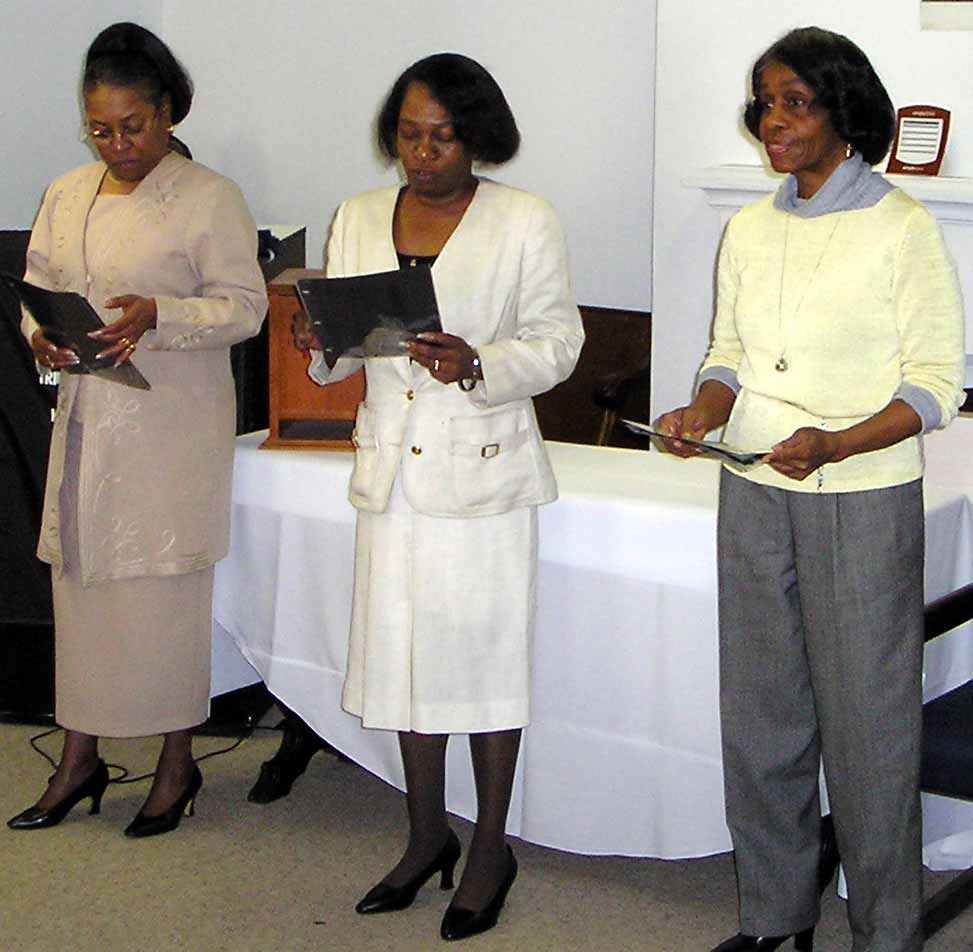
127,55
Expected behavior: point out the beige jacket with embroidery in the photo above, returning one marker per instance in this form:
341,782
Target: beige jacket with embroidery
156,466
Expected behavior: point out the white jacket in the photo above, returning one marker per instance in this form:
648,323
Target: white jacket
502,285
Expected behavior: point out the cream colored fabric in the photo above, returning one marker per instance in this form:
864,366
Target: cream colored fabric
132,656
137,502
502,284
446,481
858,303
441,615
156,466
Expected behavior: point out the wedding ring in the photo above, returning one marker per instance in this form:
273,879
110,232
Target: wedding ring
435,366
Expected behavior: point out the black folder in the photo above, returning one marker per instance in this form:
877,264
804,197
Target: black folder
371,315
66,318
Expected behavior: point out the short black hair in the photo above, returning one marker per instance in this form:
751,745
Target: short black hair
843,81
131,57
480,113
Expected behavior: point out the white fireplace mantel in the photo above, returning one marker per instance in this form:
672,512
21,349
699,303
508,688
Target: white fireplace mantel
733,186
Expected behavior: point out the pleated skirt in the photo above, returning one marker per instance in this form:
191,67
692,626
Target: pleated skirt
132,657
442,619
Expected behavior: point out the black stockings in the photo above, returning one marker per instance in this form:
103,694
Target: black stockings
494,761
80,757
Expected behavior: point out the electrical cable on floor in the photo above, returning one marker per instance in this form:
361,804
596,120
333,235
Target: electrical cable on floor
122,777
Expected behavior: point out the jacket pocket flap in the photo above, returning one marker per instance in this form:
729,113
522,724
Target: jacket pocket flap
488,435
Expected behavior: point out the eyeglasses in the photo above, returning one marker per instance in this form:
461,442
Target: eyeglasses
126,134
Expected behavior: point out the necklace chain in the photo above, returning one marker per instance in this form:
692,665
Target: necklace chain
782,364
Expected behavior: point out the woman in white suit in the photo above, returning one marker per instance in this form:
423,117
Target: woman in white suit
449,468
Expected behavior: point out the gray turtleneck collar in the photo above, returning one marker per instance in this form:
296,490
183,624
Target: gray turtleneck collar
852,185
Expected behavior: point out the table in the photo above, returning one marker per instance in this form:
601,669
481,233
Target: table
622,755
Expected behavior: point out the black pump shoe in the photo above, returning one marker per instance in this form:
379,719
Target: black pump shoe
167,821
803,942
36,819
297,746
385,898
459,923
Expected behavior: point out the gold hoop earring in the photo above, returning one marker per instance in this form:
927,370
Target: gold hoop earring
849,151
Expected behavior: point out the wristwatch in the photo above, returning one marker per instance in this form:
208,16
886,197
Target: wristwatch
468,383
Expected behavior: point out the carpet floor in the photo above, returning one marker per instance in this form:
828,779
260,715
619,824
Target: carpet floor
238,877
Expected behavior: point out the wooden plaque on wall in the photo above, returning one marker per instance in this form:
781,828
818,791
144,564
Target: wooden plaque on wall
304,415
921,133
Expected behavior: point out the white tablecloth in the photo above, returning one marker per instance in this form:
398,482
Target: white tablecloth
622,755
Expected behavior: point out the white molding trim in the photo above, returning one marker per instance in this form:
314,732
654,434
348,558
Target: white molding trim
733,186
946,16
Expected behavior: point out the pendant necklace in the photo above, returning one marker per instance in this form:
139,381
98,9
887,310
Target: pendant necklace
782,364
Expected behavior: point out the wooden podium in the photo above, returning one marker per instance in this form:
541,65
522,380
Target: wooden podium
304,415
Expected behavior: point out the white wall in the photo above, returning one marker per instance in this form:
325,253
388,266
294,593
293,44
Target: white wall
42,45
287,95
704,55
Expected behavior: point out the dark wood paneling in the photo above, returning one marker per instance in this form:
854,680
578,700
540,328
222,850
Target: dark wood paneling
617,344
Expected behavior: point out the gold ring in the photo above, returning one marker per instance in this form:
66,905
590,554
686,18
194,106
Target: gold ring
126,341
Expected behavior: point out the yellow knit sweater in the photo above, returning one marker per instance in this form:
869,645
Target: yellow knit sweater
856,304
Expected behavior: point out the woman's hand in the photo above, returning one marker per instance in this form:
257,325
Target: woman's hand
48,354
448,358
138,316
685,421
804,451
710,409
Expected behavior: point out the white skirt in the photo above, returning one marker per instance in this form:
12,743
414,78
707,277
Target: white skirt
442,619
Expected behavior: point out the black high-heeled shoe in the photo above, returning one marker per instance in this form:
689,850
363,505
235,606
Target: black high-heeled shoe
385,898
168,820
459,923
803,942
298,744
93,786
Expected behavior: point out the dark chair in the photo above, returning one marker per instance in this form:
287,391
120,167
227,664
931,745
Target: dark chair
623,394
947,754
616,347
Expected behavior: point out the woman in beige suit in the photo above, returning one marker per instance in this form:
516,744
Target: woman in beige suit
450,467
137,503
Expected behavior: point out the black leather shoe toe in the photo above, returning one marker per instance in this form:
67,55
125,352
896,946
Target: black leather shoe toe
459,923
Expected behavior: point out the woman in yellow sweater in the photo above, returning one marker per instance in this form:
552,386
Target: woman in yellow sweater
837,342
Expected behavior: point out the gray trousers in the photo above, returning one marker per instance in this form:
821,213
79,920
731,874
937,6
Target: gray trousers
821,599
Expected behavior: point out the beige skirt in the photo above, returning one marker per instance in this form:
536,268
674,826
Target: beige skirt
442,619
132,657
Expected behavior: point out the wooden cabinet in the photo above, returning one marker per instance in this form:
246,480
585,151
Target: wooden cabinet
304,415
